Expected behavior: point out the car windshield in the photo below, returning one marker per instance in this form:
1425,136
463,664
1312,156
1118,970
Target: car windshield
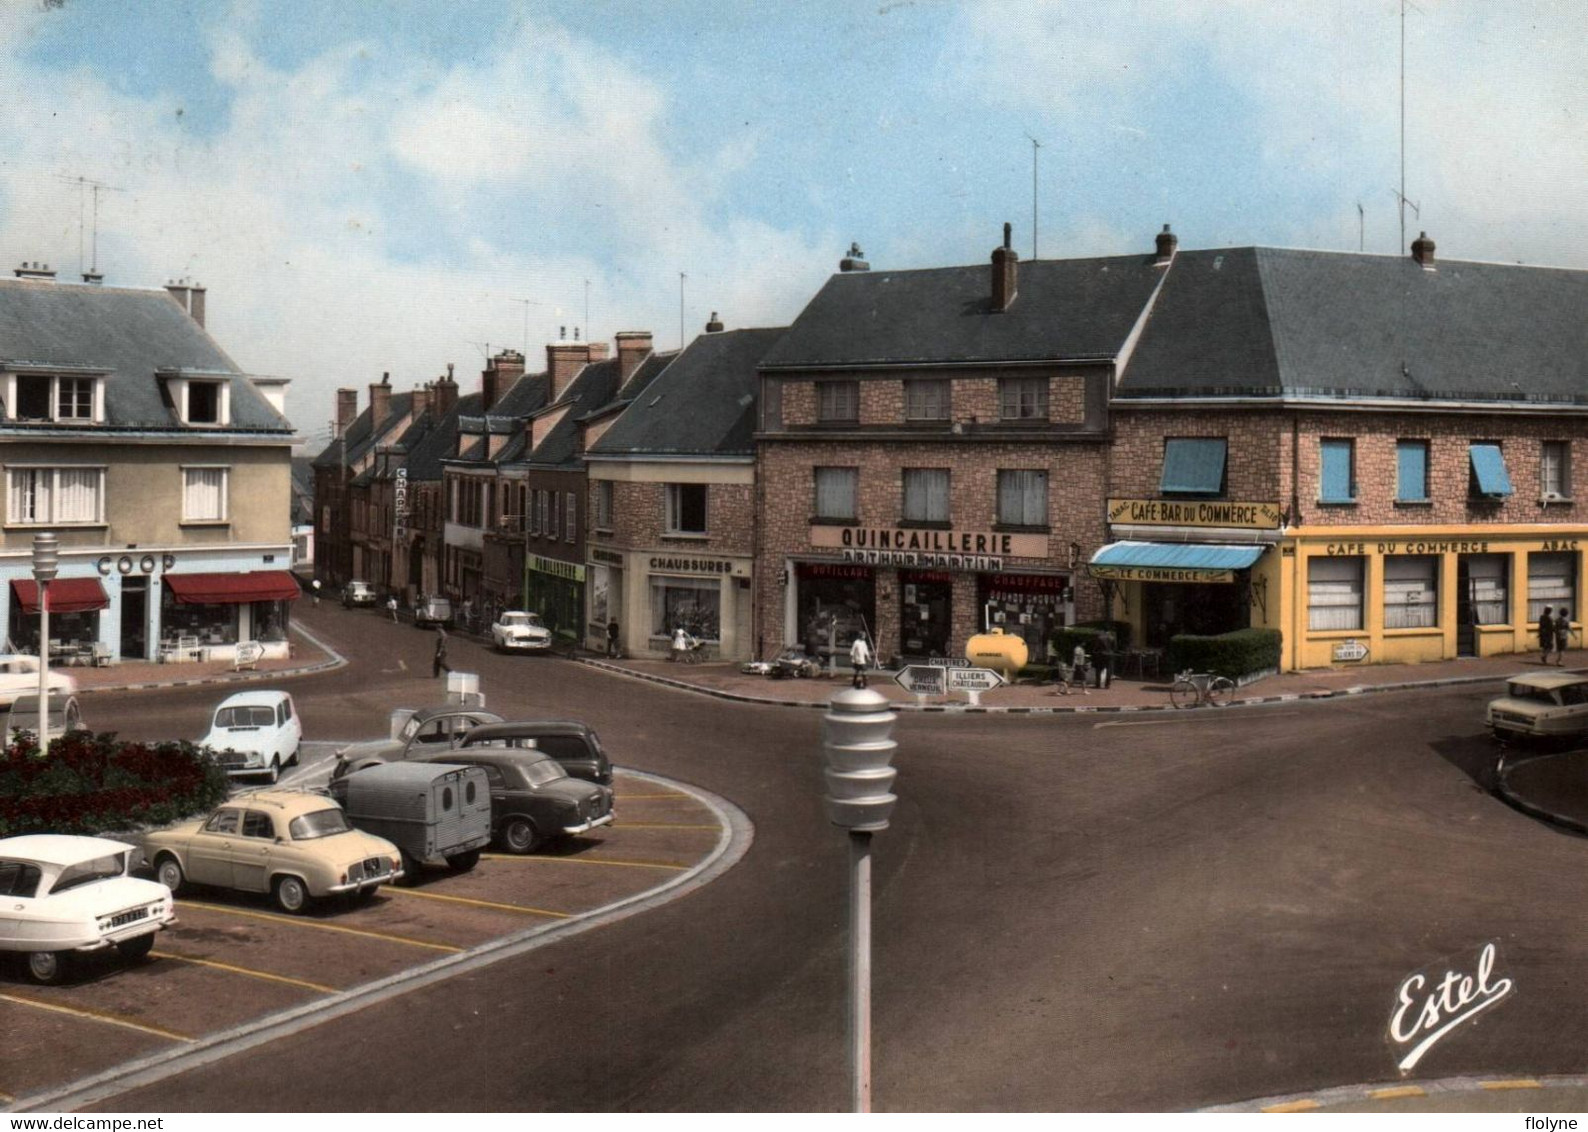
1528,692
87,872
521,620
259,715
538,774
321,823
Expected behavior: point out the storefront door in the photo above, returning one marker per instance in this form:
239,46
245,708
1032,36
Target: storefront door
134,618
926,604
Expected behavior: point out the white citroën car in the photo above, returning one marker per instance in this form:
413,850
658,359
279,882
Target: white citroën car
517,630
62,895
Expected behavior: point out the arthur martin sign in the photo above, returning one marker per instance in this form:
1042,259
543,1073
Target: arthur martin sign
1195,513
953,550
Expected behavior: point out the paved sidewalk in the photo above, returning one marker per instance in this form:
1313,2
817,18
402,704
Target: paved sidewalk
308,655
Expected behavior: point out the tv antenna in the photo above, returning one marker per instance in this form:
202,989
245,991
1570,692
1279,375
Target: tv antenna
83,183
1035,145
527,304
1361,227
681,278
1400,194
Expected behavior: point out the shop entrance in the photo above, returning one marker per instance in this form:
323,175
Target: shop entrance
1481,597
1200,609
1029,606
134,618
837,603
926,606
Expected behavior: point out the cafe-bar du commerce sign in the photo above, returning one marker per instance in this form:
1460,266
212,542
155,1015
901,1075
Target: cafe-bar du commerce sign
1195,513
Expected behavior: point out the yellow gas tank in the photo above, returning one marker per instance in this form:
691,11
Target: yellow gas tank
997,650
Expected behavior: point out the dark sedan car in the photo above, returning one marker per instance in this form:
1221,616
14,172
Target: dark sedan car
532,799
571,743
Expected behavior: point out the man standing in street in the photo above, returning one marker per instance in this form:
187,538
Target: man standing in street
391,607
612,637
1546,634
860,657
439,664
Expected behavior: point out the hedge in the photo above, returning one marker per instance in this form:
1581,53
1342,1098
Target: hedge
1062,642
1236,654
89,783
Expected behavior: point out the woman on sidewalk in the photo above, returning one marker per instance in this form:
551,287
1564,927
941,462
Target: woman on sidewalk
1562,636
1546,634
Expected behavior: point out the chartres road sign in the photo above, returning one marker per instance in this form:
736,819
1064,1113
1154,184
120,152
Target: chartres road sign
922,680
974,679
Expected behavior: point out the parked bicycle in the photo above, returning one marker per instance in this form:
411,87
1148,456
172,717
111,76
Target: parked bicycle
1193,689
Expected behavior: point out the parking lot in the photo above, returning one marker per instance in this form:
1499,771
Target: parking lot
233,960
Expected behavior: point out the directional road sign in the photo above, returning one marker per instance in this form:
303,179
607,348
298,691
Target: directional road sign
922,679
974,679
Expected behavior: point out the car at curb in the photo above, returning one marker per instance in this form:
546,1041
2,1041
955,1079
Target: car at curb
65,896
432,611
1542,706
358,594
533,800
517,630
255,733
429,809
296,846
574,745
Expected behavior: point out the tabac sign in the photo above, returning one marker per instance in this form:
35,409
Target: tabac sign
1195,513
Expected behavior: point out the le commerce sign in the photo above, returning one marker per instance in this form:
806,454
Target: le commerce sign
1195,513
928,549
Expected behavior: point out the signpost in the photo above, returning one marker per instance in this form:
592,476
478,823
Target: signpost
922,680
939,680
974,681
1349,650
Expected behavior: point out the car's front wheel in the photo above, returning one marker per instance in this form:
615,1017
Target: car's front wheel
168,871
292,895
519,836
47,967
273,775
137,948
296,751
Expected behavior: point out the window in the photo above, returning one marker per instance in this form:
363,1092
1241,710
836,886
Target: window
693,603
1551,581
1023,498
1411,471
926,495
224,821
556,515
926,400
544,526
33,397
1337,479
42,397
1489,479
1334,593
55,495
835,493
1023,398
686,509
1193,466
838,400
74,399
1411,591
1486,588
570,517
256,824
204,402
1554,469
204,495
603,505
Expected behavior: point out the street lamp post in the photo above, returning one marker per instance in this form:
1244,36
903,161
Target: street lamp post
858,744
46,564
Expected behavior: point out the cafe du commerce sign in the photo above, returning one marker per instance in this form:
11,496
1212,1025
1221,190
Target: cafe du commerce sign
1195,513
946,549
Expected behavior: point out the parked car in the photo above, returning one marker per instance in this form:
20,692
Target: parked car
432,611
415,733
19,676
255,733
515,629
358,593
428,810
64,896
65,714
574,745
297,846
1541,705
532,798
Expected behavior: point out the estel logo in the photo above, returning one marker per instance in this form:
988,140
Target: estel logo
1427,1011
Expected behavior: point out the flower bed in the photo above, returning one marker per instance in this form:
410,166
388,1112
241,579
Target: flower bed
91,783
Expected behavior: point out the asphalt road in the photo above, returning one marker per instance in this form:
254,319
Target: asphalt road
1165,911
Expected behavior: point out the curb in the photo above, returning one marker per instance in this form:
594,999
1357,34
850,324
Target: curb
337,660
1396,1091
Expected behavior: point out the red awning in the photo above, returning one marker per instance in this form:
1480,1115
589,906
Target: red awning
230,589
67,595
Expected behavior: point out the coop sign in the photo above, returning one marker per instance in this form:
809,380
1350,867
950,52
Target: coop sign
1195,513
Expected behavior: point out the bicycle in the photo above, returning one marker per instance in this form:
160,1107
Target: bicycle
1193,689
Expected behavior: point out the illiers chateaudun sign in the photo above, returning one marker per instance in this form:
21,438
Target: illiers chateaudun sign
1195,513
942,549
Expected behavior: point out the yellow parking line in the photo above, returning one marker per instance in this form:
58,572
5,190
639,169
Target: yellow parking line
584,861
6,1098
1293,1106
480,903
244,971
299,922
1398,1092
1521,1083
666,825
98,1016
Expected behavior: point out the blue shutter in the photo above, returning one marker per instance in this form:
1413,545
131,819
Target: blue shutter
1488,468
1193,466
1411,471
1336,472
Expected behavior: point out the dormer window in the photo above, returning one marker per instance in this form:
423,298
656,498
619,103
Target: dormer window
204,402
200,401
55,399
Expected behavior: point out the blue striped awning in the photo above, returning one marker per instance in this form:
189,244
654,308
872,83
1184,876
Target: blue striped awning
1488,465
1172,561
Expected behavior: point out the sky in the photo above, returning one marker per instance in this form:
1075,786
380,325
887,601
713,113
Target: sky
394,185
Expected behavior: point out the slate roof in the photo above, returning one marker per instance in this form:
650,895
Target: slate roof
361,437
703,404
593,387
1074,308
132,334
1270,322
425,457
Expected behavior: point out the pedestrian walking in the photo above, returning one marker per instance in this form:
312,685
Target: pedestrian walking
680,643
1562,636
1078,665
1546,634
315,590
391,607
439,662
860,658
612,637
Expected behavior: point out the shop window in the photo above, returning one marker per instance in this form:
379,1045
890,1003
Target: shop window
270,620
1337,475
1023,398
1193,466
1334,593
686,509
1411,471
204,495
926,399
1411,591
1487,592
1023,498
835,493
1554,470
1489,479
1551,581
207,624
694,603
55,495
926,495
838,401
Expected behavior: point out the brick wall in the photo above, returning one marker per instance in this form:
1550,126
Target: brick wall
973,396
639,515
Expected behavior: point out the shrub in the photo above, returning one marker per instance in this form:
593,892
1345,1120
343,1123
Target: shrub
88,784
1235,655
1062,642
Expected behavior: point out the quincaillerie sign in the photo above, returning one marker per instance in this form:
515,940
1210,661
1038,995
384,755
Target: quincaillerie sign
1195,513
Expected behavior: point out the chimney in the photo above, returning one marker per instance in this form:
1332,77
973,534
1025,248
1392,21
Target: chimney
379,400
855,260
1005,272
715,325
446,393
346,410
633,346
421,400
35,271
500,374
196,303
180,291
563,360
95,277
1168,242
1423,252
597,351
